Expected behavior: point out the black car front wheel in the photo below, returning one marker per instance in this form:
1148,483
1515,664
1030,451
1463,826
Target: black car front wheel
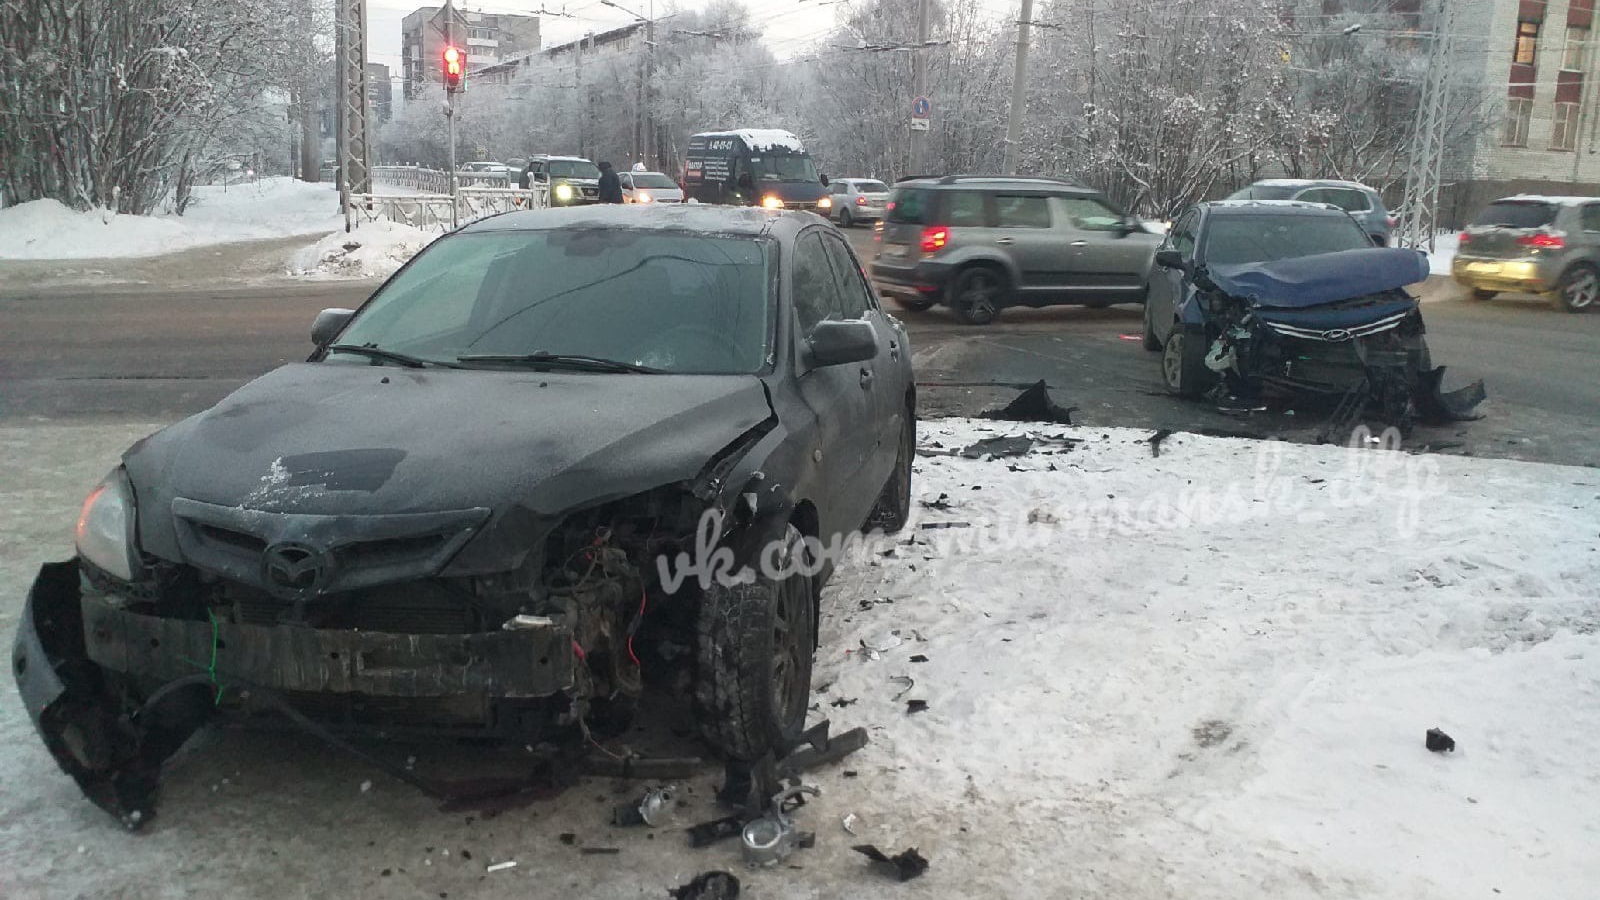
1183,363
847,219
977,295
756,642
1579,287
893,508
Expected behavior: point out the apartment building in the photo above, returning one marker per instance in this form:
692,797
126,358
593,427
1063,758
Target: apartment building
595,44
488,38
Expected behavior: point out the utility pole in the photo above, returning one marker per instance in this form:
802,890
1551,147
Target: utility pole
1420,210
1019,89
350,49
919,86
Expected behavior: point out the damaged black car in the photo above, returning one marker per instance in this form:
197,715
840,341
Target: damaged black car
1251,300
558,456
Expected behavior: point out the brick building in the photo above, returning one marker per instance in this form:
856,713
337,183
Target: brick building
489,39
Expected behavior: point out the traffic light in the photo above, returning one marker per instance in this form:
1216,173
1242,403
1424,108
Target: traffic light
455,68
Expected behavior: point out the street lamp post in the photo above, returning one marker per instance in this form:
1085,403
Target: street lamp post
643,117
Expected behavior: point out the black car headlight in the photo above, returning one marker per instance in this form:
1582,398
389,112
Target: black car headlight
563,192
105,527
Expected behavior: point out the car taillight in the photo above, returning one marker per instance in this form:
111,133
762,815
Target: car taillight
1393,221
1543,241
934,238
861,201
1464,239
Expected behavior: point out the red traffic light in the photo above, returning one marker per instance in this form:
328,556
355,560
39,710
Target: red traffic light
455,67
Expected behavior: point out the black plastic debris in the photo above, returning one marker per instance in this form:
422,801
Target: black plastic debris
1033,405
715,831
915,706
906,865
600,851
919,658
569,838
1434,406
942,503
842,702
935,526
709,886
1439,742
998,447
1156,439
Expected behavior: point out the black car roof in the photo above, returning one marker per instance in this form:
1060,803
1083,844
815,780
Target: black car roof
991,182
702,218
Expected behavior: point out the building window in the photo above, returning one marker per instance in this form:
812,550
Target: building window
1576,53
1564,133
1527,43
1518,111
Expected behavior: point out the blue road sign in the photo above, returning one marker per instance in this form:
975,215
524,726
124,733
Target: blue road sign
920,108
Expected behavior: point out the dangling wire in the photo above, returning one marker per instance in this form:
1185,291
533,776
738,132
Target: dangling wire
211,670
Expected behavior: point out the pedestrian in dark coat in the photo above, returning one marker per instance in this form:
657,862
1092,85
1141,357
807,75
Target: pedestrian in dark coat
610,184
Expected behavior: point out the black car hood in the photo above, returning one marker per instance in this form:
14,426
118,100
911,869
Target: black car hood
1324,278
351,440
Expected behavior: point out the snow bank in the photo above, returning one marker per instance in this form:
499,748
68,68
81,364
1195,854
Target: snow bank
1209,674
374,250
269,208
1444,252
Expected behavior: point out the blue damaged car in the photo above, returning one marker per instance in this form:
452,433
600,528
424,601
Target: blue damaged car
1253,299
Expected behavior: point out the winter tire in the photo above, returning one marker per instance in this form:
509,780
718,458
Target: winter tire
1151,342
893,508
1183,363
1579,287
1483,295
918,305
847,219
977,295
756,642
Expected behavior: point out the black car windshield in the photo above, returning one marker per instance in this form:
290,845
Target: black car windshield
573,168
1237,239
1516,214
1263,192
784,167
674,302
654,180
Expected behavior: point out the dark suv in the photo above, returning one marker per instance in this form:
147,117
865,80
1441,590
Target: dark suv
980,243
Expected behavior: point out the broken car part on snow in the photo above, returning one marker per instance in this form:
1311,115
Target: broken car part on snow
471,538
1439,742
905,865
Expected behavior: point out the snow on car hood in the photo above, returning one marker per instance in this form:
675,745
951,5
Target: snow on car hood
338,439
1324,278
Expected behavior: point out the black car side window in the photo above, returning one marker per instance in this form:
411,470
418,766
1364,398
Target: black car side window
1591,217
816,291
854,296
965,209
1183,236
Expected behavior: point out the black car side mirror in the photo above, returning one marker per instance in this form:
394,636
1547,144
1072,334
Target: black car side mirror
834,343
1170,259
328,324
825,179
1130,225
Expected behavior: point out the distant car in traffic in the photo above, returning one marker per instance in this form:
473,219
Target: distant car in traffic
1359,200
981,243
858,200
1534,244
649,187
573,180
483,167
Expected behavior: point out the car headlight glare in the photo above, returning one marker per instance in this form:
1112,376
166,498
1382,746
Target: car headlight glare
645,198
563,192
772,201
825,203
105,527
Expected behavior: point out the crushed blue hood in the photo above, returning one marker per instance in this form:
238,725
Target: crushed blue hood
1324,278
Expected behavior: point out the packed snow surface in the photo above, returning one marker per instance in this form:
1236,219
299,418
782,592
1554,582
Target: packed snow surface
1203,675
759,139
268,208
373,250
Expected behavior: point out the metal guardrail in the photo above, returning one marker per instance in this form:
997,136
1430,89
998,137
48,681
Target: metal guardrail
432,211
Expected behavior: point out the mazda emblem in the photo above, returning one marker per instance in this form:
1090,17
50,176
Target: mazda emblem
294,568
1337,336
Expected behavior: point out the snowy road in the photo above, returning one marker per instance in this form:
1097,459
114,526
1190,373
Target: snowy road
1205,675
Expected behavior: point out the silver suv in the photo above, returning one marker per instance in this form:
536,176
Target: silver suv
1533,244
980,243
858,200
1361,202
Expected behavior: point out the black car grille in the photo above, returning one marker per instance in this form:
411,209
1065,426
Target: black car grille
420,607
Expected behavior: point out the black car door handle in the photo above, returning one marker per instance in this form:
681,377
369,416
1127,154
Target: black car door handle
866,378
1004,241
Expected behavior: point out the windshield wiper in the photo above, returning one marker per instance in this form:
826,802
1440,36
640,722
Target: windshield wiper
571,361
374,352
